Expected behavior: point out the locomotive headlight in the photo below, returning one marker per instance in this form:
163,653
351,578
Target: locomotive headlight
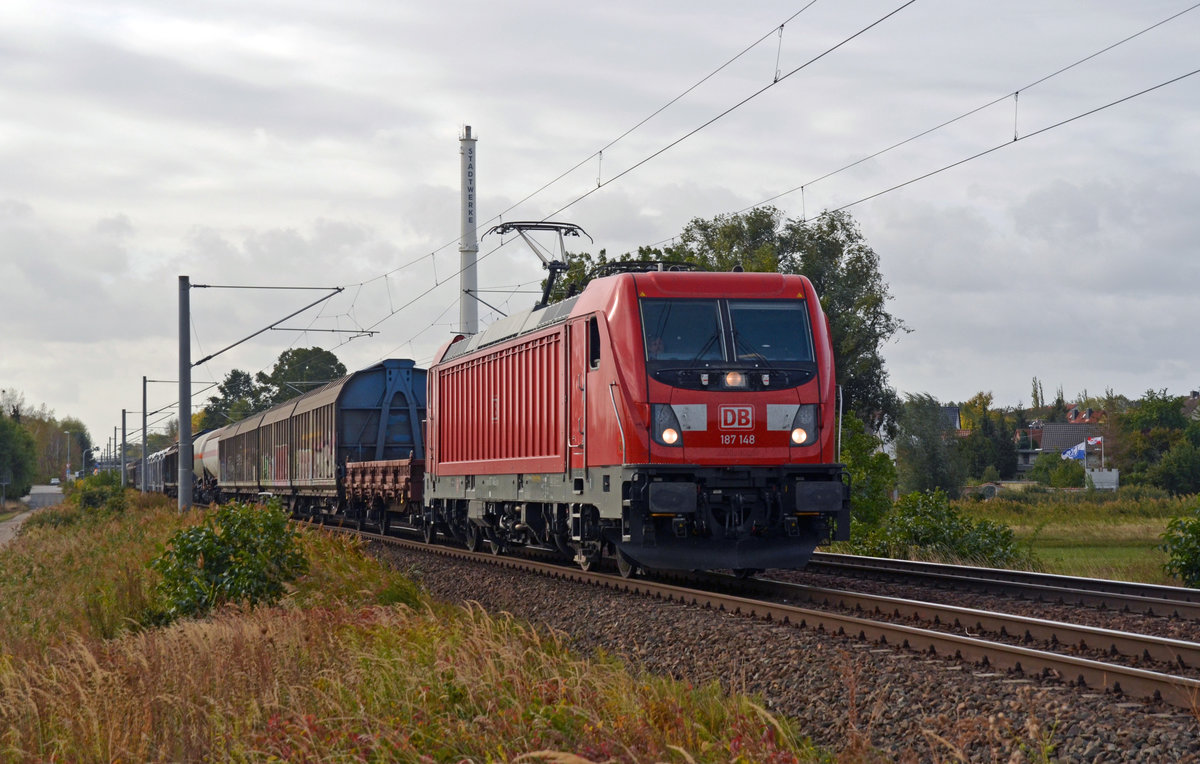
664,425
804,425
735,379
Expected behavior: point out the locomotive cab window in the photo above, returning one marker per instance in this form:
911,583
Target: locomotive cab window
593,343
682,330
771,330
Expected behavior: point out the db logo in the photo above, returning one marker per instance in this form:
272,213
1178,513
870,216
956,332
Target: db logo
736,417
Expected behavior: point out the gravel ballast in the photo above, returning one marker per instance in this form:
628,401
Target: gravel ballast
845,694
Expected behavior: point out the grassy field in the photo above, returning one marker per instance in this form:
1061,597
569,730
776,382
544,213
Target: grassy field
1098,535
355,665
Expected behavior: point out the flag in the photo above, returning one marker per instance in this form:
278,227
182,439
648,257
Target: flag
1075,452
1095,441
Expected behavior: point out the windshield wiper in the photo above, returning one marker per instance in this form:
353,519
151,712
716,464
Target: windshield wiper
707,345
740,344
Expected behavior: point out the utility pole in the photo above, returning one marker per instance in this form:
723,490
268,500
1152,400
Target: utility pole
142,471
185,396
123,478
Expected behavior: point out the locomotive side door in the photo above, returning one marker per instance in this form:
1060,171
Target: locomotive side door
577,339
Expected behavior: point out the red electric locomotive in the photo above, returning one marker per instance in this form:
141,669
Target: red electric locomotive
673,420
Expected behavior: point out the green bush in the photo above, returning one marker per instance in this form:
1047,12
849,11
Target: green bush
1181,542
100,492
925,525
241,553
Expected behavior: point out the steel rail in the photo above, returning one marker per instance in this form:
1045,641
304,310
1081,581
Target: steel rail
1179,691
1158,591
1150,600
1166,650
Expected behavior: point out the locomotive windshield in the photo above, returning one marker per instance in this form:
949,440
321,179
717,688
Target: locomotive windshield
698,332
772,330
682,330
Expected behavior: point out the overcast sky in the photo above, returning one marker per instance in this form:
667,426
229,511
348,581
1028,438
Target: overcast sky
307,143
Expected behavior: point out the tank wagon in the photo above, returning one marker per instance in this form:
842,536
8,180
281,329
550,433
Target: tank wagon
669,420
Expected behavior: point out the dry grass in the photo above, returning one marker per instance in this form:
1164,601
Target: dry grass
380,683
337,673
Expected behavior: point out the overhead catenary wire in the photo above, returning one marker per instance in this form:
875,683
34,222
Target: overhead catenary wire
946,123
1025,137
499,216
1016,138
971,112
731,109
601,184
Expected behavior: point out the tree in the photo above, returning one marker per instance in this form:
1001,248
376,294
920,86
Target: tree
18,458
872,473
991,440
298,371
1038,395
1144,434
926,448
831,252
238,398
974,411
1181,542
1157,409
751,240
1178,470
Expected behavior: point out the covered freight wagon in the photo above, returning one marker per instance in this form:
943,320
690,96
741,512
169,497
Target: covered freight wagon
300,449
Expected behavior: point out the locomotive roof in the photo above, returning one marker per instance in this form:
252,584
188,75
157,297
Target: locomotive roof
512,326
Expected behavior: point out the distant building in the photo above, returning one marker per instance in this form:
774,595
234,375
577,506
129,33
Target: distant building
1191,406
1055,437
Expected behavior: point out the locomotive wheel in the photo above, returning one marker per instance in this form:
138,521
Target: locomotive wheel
429,531
625,566
473,538
495,547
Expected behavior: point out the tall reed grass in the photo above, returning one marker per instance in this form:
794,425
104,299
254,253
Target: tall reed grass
355,665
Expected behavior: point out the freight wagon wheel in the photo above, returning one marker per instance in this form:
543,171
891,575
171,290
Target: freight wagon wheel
473,538
625,566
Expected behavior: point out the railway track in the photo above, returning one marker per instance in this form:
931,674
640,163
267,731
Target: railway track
879,620
1122,596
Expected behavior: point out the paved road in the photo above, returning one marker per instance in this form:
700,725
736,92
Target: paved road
40,496
8,529
43,496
